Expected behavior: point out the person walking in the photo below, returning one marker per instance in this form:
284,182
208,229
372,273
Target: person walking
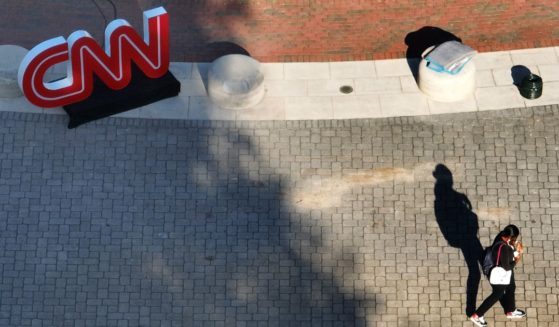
507,251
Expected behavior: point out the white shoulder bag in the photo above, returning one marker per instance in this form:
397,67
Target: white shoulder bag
499,276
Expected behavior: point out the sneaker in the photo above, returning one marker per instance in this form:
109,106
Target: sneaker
479,321
516,314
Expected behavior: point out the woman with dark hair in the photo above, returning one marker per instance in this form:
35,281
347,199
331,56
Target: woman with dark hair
507,251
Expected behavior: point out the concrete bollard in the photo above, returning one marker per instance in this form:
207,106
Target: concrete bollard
10,58
236,82
444,87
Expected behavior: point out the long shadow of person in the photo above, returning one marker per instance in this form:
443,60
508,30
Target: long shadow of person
459,226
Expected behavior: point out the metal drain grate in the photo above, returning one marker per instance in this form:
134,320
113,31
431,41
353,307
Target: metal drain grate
346,89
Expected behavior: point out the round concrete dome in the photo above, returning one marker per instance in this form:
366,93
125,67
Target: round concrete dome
10,58
236,82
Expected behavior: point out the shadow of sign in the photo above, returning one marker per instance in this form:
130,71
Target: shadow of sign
459,226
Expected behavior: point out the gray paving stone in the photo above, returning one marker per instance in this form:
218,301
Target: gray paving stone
130,222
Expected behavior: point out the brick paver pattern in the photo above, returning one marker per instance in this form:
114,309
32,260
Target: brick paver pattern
127,222
295,30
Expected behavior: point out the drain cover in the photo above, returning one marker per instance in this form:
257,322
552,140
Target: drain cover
346,89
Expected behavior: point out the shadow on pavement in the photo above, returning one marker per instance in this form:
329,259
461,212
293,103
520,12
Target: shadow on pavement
202,31
195,26
261,249
459,226
518,72
168,224
222,48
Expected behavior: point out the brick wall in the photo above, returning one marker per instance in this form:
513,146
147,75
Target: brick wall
297,30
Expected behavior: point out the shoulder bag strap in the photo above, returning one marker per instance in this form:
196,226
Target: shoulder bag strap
499,254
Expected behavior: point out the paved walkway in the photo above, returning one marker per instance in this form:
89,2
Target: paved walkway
383,88
134,222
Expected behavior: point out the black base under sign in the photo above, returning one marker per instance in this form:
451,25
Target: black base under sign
105,102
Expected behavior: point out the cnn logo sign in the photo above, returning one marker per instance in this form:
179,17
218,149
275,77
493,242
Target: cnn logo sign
85,58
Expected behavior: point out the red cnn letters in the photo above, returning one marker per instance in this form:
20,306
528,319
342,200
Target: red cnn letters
112,65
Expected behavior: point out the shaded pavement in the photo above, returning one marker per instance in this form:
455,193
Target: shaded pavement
130,222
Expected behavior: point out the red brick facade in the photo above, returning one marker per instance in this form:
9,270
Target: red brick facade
296,30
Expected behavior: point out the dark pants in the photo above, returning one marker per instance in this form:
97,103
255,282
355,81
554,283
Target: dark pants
501,293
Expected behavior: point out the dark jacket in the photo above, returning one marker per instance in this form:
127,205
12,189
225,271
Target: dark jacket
506,259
